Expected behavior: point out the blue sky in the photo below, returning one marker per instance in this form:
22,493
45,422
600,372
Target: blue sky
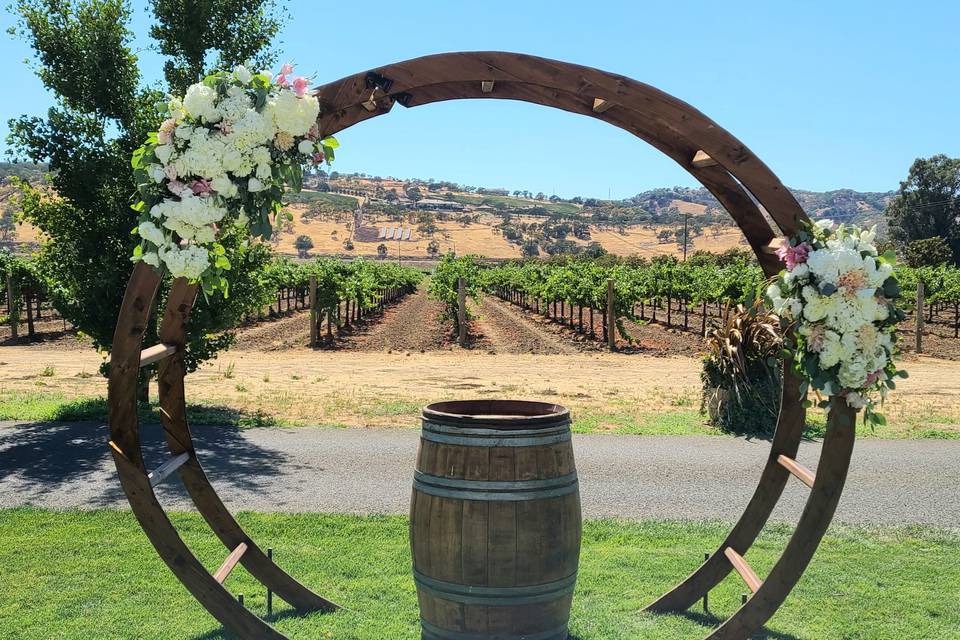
829,94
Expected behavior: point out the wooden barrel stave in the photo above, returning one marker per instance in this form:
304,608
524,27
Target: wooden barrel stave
495,527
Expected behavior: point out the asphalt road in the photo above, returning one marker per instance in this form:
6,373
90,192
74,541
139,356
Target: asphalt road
370,471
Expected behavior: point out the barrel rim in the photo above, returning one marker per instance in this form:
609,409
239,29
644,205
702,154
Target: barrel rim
503,414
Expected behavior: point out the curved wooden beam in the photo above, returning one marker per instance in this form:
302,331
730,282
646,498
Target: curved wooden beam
724,165
822,504
128,457
173,330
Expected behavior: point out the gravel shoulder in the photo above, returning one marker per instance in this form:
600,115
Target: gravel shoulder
360,471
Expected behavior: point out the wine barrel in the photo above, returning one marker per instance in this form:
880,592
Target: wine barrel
495,521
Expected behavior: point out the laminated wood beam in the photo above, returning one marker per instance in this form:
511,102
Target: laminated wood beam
799,471
743,569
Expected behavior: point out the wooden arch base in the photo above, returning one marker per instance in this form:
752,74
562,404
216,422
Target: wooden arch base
724,165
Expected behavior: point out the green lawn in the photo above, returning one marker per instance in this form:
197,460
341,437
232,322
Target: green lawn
620,418
93,575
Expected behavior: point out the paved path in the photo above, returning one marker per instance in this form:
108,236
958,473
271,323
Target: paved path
370,471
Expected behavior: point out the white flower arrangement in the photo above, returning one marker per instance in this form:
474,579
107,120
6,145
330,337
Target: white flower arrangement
840,299
222,156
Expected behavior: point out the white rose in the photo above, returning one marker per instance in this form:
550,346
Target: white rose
306,147
200,102
242,74
163,153
856,401
264,171
254,185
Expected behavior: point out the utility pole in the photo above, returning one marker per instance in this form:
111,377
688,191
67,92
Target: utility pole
686,239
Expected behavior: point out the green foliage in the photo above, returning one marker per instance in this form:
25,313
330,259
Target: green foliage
928,252
928,204
239,31
583,281
103,112
303,244
445,278
360,281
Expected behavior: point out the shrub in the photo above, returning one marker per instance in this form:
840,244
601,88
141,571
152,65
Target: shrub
741,373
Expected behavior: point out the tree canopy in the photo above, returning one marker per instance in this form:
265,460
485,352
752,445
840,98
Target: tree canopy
103,110
927,204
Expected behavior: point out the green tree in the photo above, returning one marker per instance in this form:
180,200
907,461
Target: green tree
928,204
303,244
102,112
929,252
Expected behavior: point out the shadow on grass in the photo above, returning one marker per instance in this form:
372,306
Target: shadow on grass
711,621
223,634
46,457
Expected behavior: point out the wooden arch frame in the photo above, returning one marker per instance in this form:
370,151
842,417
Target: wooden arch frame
723,164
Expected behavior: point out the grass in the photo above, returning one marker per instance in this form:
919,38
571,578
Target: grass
617,416
107,583
55,407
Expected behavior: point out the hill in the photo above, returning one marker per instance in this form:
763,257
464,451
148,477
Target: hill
357,214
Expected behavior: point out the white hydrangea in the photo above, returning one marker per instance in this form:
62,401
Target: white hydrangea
200,102
251,130
151,233
190,217
187,262
224,187
232,109
156,173
294,115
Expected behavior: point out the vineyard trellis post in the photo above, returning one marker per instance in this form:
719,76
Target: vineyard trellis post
461,312
14,312
611,316
313,312
919,313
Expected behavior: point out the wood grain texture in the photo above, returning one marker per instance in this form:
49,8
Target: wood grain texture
492,564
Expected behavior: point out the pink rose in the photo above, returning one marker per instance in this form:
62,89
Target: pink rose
177,188
318,157
165,134
792,256
170,171
282,80
200,187
300,85
286,69
314,131
873,377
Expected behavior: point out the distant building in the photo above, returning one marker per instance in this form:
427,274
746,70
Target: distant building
447,205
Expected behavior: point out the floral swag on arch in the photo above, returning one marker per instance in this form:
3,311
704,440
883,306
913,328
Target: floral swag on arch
840,299
223,156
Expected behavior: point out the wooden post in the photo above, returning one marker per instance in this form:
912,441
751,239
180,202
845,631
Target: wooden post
462,312
313,312
919,313
14,316
28,303
611,316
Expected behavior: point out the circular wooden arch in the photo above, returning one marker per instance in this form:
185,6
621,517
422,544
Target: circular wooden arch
723,164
